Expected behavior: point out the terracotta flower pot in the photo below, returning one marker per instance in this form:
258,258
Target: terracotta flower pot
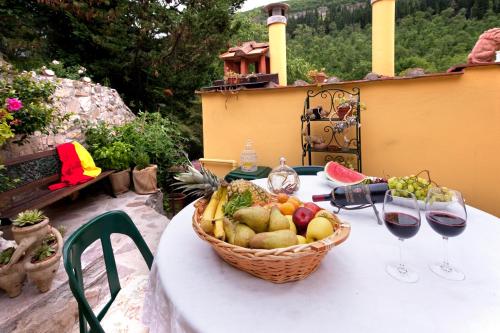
232,80
176,202
12,278
36,231
120,181
320,78
42,273
145,181
343,111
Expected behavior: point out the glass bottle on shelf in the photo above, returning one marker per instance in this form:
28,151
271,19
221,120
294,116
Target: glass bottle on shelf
248,158
283,179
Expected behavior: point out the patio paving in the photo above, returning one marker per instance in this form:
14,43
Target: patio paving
57,311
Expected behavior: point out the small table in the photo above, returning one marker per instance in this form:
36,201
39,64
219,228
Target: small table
261,172
193,290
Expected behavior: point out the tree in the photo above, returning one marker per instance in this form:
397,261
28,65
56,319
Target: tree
156,53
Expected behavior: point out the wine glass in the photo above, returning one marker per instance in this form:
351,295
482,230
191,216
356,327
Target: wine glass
402,218
446,213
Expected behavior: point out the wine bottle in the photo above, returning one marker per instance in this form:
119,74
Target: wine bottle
359,194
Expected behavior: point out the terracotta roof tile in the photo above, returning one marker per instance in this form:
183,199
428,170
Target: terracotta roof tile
246,48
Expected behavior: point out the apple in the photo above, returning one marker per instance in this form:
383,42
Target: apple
301,217
293,228
318,228
312,206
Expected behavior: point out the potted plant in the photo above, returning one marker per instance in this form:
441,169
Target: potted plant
347,106
317,76
144,174
12,275
29,226
44,261
116,156
231,77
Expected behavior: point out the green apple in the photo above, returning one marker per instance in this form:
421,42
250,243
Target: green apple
301,239
292,225
318,228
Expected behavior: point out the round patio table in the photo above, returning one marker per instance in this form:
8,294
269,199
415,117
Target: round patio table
193,290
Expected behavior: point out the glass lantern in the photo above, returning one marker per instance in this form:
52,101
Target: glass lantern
283,179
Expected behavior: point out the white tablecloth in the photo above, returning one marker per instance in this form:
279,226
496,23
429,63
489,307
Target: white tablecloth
193,290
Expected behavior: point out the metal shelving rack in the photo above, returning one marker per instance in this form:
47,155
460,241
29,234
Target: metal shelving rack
338,124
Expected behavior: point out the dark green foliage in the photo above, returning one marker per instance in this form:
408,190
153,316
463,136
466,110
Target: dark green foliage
155,53
431,34
5,255
6,182
150,138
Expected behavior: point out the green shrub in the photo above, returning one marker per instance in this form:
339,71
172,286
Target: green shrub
35,112
141,159
117,156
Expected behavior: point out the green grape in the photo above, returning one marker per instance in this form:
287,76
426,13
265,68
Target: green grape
399,186
410,188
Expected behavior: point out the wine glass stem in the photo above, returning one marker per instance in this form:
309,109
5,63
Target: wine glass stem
445,265
401,267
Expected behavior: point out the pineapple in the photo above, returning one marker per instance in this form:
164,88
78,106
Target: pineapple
200,183
204,183
259,195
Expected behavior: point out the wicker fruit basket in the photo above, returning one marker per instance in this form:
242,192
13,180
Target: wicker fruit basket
277,265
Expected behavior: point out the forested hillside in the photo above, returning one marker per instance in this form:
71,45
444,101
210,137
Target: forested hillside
336,35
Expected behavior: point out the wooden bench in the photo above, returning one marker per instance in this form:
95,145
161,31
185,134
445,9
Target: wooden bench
36,172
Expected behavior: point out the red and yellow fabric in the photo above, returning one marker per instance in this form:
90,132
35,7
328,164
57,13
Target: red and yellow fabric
77,167
88,165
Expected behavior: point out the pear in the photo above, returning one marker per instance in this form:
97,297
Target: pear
274,239
256,217
229,229
278,221
243,234
301,239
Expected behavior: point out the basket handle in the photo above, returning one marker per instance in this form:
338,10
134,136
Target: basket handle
329,242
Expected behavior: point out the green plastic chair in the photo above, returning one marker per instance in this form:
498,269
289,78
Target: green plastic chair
99,228
310,170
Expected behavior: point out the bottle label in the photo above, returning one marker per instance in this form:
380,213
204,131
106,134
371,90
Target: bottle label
357,194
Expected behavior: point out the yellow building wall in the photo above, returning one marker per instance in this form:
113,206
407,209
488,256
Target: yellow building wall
277,51
383,31
449,125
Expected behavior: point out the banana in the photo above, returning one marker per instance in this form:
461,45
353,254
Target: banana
219,216
209,213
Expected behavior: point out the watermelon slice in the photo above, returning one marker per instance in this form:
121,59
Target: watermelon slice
342,176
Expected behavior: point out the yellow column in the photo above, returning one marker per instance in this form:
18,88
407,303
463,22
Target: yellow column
277,46
383,31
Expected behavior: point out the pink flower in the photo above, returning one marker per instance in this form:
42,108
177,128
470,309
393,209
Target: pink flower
13,104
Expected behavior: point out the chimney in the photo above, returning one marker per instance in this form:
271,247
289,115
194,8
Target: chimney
276,23
383,30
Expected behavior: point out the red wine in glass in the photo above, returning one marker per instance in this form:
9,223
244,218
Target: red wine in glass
403,221
402,225
445,224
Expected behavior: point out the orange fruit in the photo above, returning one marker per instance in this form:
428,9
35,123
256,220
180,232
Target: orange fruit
287,208
295,201
282,197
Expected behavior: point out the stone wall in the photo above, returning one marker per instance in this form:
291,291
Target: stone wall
87,102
